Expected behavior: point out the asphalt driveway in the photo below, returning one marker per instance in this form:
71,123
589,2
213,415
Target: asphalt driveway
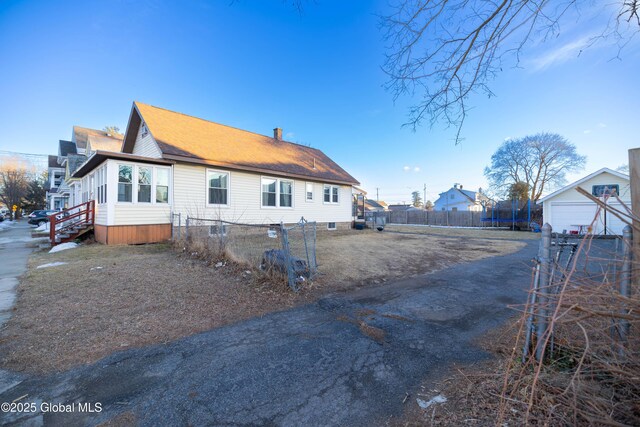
348,359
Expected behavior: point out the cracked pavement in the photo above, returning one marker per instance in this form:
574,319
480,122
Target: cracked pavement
316,364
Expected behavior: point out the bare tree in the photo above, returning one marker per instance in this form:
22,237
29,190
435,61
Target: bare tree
445,50
14,181
540,161
112,130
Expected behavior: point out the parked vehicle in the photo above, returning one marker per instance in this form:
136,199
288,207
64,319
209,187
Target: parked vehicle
39,217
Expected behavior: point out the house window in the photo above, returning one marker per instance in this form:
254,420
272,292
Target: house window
218,230
331,226
125,180
143,130
269,192
277,193
331,193
162,185
451,196
218,187
309,192
605,190
144,185
286,196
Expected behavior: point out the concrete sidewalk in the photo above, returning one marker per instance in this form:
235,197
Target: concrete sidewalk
15,246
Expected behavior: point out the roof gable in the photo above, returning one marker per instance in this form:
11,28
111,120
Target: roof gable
187,138
586,178
65,148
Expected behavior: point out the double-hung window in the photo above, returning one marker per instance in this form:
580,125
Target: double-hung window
144,184
162,185
277,193
331,194
125,181
218,187
308,194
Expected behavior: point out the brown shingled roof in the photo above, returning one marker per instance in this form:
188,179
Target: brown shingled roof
80,135
187,138
105,143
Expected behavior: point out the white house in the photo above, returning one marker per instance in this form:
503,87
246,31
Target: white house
172,162
566,209
457,199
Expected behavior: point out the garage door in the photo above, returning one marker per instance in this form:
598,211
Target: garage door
569,216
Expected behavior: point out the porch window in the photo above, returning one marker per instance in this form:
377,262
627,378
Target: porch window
125,180
144,185
218,186
162,185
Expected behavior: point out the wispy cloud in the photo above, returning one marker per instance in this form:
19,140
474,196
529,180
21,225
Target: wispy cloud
602,125
406,168
560,54
586,131
290,135
416,169
409,168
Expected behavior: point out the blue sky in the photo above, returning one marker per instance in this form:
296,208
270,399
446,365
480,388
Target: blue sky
259,64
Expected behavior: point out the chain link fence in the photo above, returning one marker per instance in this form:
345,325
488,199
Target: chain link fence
287,252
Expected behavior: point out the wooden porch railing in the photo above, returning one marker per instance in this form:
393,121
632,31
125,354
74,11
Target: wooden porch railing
71,222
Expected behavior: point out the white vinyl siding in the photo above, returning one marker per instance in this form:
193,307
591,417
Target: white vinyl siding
569,209
146,146
245,199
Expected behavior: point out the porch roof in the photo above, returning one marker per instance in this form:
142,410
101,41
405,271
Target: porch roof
100,156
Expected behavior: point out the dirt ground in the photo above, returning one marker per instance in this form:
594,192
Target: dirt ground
109,298
360,257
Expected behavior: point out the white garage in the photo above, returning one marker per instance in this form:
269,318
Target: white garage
566,209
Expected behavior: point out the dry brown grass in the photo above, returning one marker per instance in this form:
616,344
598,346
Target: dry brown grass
360,257
78,313
476,233
109,298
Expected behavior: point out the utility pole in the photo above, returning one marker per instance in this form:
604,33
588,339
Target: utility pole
424,200
377,190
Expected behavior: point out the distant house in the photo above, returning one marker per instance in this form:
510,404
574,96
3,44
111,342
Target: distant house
566,209
400,208
175,163
56,176
458,199
375,206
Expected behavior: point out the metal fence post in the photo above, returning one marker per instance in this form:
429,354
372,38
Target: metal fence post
186,228
544,255
179,226
625,279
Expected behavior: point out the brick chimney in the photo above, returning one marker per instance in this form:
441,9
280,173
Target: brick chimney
277,134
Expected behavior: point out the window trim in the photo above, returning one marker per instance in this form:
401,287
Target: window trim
335,225
133,180
151,185
277,206
134,184
331,187
306,192
206,186
154,197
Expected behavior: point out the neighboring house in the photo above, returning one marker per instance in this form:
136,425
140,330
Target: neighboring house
566,209
175,163
86,142
400,208
55,200
374,206
458,199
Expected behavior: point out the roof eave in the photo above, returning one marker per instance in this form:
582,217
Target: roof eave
204,162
